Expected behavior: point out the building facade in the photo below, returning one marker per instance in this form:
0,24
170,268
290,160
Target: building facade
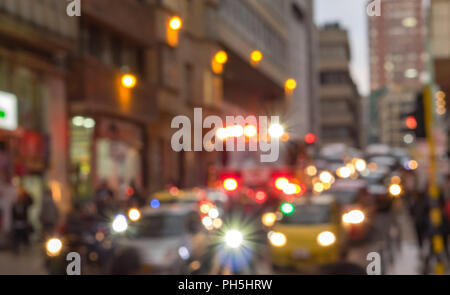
284,33
439,17
36,40
339,98
79,123
397,61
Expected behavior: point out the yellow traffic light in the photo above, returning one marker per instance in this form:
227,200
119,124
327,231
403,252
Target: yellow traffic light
175,23
129,81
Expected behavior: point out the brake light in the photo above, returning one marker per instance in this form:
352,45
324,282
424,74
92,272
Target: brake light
260,197
230,184
281,183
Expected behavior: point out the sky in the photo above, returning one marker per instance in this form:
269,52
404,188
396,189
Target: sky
351,14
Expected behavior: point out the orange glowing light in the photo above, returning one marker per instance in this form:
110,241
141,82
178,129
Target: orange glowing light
175,23
129,81
256,57
221,57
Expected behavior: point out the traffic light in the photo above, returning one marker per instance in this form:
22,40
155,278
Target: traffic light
411,122
419,115
310,138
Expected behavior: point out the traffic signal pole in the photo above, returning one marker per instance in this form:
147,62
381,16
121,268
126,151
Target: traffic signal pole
437,241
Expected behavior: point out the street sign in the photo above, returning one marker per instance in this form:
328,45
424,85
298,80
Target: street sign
8,111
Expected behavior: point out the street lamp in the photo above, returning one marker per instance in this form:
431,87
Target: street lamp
256,57
221,57
290,85
175,23
276,130
129,81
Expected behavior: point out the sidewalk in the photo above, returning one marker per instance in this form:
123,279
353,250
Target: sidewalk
407,259
26,263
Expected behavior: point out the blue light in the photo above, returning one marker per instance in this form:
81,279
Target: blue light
155,204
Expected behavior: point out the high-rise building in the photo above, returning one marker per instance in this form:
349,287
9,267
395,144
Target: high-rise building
284,33
397,62
397,45
440,44
339,97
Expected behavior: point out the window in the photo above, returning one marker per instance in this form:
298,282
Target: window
116,44
94,43
334,78
189,82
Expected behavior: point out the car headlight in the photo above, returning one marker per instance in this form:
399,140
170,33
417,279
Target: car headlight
354,217
326,239
395,190
184,253
134,214
120,224
53,247
277,239
234,239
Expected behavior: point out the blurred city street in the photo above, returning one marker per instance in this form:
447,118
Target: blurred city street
224,137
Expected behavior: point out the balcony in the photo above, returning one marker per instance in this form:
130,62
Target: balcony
41,24
116,15
338,91
94,87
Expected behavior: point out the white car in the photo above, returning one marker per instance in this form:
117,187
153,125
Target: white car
167,238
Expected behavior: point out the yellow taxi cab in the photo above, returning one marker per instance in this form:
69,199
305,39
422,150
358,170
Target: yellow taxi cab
309,234
176,195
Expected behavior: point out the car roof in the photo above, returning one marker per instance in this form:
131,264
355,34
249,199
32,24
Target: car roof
322,199
348,185
169,209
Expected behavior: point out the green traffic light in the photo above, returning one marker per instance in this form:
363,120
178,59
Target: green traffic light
287,208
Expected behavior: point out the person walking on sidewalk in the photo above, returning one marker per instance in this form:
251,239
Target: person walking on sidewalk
21,226
49,213
420,213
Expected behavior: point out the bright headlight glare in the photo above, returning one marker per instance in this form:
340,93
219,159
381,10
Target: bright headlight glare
54,246
326,238
234,239
120,224
134,214
184,253
354,217
278,239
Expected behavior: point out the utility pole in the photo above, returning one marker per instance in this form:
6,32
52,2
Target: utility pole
437,241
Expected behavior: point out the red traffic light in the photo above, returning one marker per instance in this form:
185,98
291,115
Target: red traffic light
310,138
411,122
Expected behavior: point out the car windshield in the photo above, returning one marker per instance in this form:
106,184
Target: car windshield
308,214
345,197
383,160
374,178
161,226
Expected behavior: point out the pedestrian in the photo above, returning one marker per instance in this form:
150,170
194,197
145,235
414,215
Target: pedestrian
8,195
49,213
21,226
135,199
420,214
104,198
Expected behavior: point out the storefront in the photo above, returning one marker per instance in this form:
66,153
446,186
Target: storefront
105,149
24,141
